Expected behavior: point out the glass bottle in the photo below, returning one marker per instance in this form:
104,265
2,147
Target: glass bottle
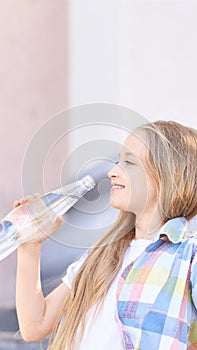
25,222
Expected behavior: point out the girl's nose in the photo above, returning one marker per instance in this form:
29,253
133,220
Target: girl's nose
114,171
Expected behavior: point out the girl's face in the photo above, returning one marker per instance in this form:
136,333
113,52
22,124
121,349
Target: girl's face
133,188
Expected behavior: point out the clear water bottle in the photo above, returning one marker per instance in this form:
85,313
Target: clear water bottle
23,223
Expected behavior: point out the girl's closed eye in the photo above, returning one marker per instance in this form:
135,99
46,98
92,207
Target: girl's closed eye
129,162
126,162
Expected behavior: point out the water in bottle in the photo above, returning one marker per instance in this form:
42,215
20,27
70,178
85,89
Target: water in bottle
25,222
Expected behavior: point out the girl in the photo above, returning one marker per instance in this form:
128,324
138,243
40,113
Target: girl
137,288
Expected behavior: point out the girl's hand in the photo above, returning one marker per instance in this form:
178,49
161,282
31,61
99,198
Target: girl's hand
33,220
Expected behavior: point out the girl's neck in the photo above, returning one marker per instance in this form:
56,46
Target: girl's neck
147,225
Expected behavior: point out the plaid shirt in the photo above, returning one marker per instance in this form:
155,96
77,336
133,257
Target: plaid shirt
157,293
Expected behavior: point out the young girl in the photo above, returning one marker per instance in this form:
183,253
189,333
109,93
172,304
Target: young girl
137,287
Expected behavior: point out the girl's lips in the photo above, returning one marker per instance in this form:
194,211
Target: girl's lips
117,186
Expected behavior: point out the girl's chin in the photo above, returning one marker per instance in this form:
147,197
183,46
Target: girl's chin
116,205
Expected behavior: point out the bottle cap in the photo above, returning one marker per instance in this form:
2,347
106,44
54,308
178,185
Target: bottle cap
88,182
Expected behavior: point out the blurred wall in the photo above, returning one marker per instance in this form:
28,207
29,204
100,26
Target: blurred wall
33,88
140,54
158,55
136,53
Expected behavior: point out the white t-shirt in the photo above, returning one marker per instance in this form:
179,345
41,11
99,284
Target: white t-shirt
102,333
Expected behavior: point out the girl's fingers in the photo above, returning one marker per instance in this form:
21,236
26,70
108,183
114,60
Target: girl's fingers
59,220
19,202
29,199
37,196
16,204
22,200
57,223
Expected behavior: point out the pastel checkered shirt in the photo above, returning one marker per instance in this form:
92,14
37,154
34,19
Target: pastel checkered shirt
157,293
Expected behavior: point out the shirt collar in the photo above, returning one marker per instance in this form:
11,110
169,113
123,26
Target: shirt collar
175,229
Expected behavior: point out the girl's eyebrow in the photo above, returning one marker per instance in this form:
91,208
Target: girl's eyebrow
126,153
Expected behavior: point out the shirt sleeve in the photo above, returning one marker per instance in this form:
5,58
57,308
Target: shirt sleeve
73,268
193,279
192,336
192,224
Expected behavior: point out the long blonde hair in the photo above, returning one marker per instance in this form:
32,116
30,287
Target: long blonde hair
171,158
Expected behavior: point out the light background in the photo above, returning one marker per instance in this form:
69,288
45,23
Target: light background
58,54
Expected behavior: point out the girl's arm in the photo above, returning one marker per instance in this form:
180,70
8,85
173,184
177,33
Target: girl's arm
36,313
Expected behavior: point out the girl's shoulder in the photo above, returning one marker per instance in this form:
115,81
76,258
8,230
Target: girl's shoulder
190,237
73,268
